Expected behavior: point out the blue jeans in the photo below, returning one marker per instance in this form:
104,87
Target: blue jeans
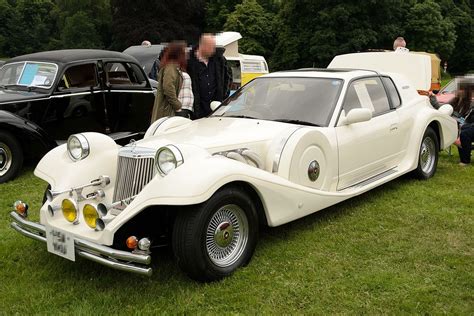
466,137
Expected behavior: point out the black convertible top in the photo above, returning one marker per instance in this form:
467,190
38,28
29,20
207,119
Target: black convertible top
72,55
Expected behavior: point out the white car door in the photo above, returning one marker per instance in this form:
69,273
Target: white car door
367,149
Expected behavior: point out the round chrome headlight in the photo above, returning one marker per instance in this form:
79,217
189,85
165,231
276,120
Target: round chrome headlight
77,147
167,159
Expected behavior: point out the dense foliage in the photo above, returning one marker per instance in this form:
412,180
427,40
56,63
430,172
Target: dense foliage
290,33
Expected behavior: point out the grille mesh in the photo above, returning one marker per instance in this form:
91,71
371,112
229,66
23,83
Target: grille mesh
133,173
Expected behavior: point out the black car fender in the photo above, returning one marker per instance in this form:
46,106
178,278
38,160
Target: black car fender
34,140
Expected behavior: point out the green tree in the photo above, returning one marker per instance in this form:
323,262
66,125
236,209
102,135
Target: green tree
255,25
428,30
80,32
95,16
157,21
26,26
217,12
461,15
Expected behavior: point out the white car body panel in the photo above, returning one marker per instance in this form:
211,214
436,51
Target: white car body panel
353,159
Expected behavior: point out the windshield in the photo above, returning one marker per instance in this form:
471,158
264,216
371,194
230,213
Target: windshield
28,74
449,88
293,100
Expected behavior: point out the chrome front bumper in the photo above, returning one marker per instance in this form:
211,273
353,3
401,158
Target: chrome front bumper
115,259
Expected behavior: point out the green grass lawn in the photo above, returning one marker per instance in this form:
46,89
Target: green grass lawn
406,247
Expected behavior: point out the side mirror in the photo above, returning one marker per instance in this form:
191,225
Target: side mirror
446,109
358,116
215,105
435,91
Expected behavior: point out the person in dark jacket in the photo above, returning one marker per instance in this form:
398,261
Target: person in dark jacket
209,74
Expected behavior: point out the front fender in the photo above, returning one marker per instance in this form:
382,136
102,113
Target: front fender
34,140
447,127
61,172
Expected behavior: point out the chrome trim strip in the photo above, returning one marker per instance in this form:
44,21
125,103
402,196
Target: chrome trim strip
26,233
131,151
101,254
66,95
116,265
161,121
130,91
370,180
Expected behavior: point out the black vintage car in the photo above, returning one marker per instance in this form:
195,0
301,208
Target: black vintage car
47,96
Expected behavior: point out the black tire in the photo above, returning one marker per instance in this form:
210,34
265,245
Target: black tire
427,155
198,232
11,156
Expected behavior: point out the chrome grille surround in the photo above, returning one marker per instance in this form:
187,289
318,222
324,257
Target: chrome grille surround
135,168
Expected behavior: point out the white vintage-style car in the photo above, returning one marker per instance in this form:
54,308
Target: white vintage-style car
284,146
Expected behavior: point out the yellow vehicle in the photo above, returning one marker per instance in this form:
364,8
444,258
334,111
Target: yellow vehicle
435,70
244,67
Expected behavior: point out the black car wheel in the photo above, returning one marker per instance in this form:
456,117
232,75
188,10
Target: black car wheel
428,155
11,156
218,237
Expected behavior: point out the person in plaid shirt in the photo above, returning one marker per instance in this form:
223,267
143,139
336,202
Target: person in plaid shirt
186,97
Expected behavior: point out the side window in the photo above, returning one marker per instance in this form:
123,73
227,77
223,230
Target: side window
137,76
80,76
117,74
367,93
124,74
392,92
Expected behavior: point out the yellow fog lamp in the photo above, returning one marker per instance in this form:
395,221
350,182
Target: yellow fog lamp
92,214
69,208
21,208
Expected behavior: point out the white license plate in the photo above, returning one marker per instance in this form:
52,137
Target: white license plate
60,243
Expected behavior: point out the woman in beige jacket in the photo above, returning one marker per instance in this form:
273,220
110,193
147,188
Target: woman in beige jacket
170,81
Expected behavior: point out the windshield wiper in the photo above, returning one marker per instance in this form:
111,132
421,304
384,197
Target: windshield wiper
32,88
242,116
297,122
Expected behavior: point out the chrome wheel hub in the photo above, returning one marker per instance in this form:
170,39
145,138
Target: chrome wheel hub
224,234
427,155
227,235
5,159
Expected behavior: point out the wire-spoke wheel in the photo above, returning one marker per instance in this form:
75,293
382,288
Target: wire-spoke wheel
428,155
227,235
11,156
212,240
5,158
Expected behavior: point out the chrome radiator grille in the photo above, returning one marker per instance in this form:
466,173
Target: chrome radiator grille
135,169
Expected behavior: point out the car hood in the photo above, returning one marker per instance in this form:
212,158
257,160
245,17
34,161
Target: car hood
221,133
8,96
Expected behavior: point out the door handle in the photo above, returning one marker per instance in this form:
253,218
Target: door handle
393,127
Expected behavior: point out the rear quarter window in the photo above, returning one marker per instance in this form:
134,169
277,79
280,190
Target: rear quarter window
392,91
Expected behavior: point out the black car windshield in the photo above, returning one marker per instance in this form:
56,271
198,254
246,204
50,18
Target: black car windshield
28,74
309,101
